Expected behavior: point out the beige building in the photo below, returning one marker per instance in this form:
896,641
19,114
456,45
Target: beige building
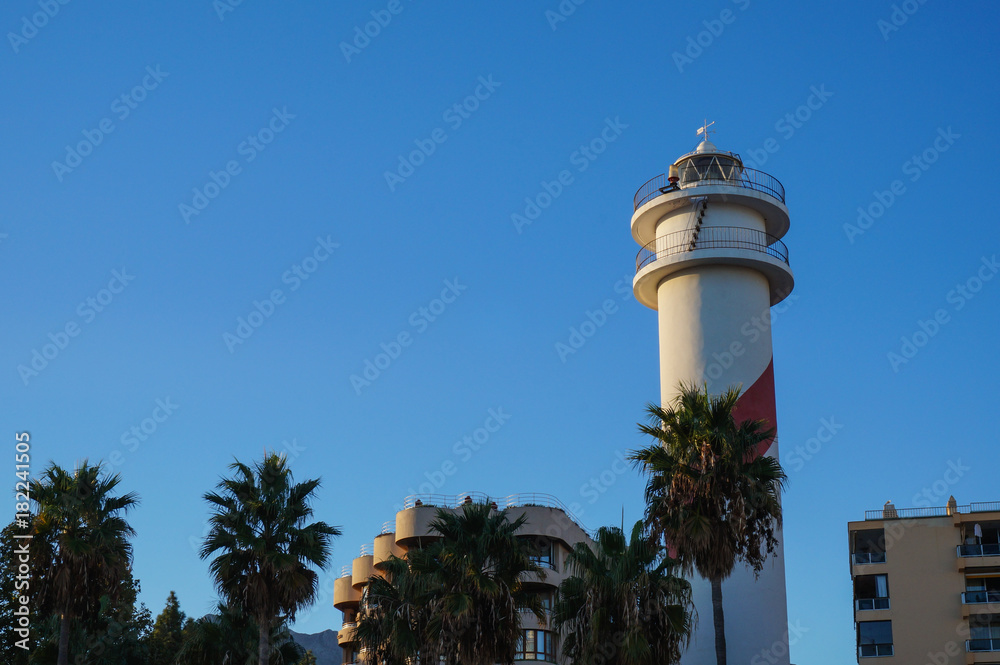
927,584
553,532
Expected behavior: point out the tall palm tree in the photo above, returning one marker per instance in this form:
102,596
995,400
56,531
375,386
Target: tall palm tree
710,496
82,543
623,601
458,599
265,548
478,568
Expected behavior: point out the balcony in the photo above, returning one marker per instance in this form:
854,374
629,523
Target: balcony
711,237
742,177
985,644
874,650
986,549
972,597
865,558
865,604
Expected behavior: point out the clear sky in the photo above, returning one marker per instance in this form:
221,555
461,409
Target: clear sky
276,140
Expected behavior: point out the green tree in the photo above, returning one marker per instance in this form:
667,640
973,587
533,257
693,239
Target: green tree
82,545
710,496
308,658
459,598
263,545
168,633
229,638
623,601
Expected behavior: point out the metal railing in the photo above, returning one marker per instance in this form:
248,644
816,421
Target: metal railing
388,527
862,604
934,511
870,650
349,624
985,549
972,597
868,557
711,237
511,501
984,644
345,571
744,178
366,550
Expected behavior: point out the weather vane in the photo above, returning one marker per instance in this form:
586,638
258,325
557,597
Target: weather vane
704,129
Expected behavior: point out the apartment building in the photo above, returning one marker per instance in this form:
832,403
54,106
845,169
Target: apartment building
551,529
927,584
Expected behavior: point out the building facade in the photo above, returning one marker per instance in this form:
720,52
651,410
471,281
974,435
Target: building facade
553,532
927,584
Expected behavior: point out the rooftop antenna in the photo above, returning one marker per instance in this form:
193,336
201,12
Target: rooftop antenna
704,129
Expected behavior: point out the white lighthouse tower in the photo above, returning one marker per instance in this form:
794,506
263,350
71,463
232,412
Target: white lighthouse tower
712,264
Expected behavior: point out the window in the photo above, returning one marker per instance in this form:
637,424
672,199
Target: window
868,546
536,645
982,590
541,551
980,539
874,638
984,634
871,592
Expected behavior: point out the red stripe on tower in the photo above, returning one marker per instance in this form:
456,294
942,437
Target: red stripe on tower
757,403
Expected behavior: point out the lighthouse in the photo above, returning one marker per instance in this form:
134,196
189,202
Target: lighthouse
712,264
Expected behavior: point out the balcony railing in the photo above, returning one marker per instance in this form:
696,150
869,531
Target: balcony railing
366,550
744,178
985,644
970,597
868,557
510,501
872,650
345,571
388,527
711,237
871,604
933,511
985,549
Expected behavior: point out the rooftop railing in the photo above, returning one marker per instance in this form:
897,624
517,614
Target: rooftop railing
345,571
365,550
711,237
388,527
744,178
891,513
502,502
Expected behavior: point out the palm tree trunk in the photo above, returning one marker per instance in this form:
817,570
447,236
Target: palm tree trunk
264,645
719,620
63,658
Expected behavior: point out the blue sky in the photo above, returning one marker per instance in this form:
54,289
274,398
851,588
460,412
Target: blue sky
371,252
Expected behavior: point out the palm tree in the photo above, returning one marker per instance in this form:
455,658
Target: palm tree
82,540
623,602
264,546
710,496
477,568
459,598
228,637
